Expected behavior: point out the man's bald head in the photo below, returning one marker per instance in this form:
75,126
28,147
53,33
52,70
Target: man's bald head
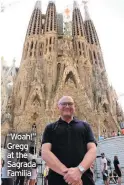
65,99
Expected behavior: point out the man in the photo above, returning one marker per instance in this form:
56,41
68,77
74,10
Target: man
69,148
104,169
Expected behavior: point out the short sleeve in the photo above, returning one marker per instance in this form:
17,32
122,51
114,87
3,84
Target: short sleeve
89,135
47,135
105,161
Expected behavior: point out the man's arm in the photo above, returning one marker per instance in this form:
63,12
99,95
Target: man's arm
105,164
90,156
51,160
74,174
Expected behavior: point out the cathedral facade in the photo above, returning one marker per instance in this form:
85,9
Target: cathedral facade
54,64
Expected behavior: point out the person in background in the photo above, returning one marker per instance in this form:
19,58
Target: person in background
104,169
33,173
20,179
114,133
117,169
5,179
122,131
45,174
119,133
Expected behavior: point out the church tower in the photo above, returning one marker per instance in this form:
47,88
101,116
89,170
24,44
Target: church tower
29,87
50,50
84,66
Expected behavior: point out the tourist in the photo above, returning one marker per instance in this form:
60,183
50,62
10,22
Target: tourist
117,169
33,173
69,148
21,179
104,169
5,179
45,174
119,133
122,131
114,134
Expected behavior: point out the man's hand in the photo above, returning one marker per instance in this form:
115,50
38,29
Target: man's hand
73,176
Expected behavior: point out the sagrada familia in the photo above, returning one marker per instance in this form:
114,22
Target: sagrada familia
54,64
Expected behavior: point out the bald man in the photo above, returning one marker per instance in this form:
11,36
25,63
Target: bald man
69,148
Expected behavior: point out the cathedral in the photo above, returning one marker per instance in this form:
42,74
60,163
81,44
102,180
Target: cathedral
54,64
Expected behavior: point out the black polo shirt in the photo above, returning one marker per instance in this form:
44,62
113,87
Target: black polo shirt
69,140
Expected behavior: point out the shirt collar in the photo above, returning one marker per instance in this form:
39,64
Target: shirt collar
75,120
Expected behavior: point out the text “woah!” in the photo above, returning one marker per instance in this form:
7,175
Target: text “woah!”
18,145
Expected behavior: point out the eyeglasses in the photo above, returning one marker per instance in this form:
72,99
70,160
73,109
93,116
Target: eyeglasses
64,104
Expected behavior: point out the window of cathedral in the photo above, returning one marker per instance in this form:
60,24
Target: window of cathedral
83,46
79,45
46,42
31,45
46,50
50,49
36,45
94,54
99,99
100,61
30,54
51,26
70,77
54,40
105,107
38,29
50,41
90,55
47,28
34,125
91,39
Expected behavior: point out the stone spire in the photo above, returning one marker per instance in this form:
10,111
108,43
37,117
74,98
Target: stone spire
78,31
75,5
87,15
90,30
34,27
77,21
51,18
38,5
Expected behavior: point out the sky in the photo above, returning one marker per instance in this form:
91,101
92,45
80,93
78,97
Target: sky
108,18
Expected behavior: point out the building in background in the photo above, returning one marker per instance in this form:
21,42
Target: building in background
8,76
53,66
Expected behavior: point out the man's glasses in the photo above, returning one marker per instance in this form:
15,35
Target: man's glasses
64,104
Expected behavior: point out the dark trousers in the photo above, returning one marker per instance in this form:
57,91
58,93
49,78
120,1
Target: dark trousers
7,181
20,181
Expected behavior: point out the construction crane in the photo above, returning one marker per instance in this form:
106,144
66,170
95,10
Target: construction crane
4,6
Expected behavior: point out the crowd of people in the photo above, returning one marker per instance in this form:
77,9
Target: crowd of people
106,134
119,133
108,174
